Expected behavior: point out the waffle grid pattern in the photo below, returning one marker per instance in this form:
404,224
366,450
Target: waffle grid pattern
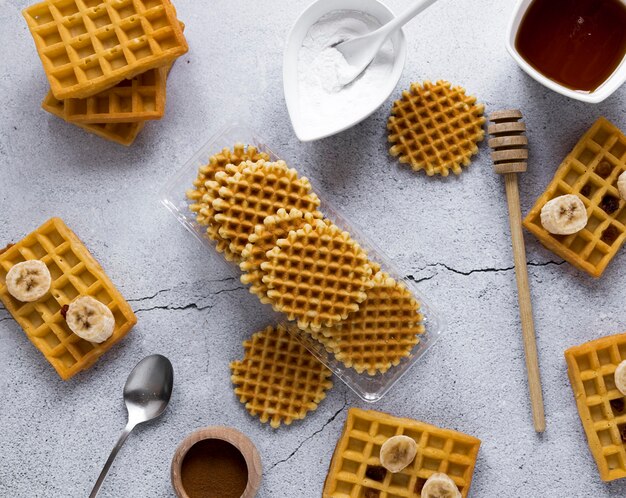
439,450
602,408
436,127
87,46
383,331
590,172
138,99
256,191
74,273
122,133
264,239
317,275
278,380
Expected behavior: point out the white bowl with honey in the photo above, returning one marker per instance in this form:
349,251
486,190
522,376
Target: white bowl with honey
574,47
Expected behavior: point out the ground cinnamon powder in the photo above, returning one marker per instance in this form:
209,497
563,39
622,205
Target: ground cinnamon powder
213,468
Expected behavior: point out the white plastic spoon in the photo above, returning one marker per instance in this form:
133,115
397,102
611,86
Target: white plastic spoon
360,51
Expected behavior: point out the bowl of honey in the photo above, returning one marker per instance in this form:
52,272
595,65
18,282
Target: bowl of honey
574,47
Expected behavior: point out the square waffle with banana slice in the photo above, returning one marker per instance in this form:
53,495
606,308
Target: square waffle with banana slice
591,173
602,407
74,272
356,472
87,46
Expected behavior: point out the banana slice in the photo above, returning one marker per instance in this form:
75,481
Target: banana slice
564,215
440,485
29,280
89,319
621,185
397,452
620,377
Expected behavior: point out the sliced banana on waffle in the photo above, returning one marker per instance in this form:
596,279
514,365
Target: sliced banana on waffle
89,319
620,377
621,185
440,485
397,453
28,281
564,215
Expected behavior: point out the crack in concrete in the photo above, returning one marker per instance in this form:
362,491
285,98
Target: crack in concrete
330,420
190,305
161,291
139,299
476,270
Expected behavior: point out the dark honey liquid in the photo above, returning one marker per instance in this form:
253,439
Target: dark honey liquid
577,43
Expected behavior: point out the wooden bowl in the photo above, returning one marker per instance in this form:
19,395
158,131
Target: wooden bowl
230,435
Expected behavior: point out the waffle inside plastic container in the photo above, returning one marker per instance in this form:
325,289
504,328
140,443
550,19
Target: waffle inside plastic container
368,387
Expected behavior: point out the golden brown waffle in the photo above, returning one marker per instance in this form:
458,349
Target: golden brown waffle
355,470
436,127
138,99
602,408
206,189
74,273
218,162
257,190
278,380
384,330
590,171
317,275
263,239
122,133
87,46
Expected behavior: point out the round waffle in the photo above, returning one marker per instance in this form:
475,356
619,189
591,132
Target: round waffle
218,163
278,380
384,330
317,275
436,127
263,239
201,201
254,192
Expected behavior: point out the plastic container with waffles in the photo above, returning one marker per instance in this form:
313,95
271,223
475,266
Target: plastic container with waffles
368,387
602,408
590,171
74,273
355,469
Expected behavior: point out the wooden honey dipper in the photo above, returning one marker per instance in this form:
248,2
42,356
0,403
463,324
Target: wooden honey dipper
510,156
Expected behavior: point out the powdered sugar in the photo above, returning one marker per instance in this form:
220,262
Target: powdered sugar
323,72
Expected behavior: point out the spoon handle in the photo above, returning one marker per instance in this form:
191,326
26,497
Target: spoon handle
120,442
407,15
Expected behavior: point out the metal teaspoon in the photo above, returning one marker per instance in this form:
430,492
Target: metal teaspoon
146,394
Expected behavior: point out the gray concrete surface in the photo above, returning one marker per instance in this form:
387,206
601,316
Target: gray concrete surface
450,235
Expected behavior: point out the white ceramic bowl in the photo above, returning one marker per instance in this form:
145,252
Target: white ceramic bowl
290,61
614,81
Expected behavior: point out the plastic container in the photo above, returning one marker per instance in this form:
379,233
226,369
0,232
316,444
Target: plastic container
369,388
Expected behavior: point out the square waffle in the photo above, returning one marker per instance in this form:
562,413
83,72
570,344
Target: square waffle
590,172
122,133
602,408
138,99
87,46
74,273
355,470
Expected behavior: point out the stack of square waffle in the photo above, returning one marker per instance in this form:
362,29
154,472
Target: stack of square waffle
106,61
264,216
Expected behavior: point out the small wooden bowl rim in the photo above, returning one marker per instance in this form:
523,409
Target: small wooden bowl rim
230,435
